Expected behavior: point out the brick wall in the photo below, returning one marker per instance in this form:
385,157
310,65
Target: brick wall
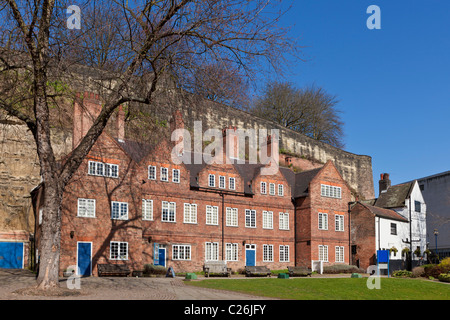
363,236
309,236
102,229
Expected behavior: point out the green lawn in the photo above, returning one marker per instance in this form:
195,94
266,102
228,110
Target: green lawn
333,289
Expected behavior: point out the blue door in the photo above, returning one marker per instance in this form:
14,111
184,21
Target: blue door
11,255
162,257
84,258
250,255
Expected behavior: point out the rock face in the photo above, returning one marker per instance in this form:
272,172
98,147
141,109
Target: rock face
19,173
19,165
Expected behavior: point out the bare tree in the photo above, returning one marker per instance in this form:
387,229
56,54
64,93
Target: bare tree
135,45
310,110
222,83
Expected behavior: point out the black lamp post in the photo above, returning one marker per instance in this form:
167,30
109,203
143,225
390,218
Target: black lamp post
436,233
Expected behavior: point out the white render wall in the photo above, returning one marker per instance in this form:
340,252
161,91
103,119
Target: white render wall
385,240
418,225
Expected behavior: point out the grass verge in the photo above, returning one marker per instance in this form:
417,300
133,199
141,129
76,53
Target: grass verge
333,289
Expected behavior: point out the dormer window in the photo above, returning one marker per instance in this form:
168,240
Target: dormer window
222,182
232,183
164,174
176,175
263,188
330,191
103,169
152,172
212,180
272,189
280,190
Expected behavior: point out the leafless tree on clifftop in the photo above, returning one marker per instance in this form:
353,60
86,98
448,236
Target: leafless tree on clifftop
311,111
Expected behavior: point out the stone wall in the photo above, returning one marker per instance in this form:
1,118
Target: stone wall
355,169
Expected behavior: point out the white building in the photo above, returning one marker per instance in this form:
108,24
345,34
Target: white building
406,199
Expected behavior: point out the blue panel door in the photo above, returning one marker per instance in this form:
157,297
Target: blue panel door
11,255
84,258
162,257
250,260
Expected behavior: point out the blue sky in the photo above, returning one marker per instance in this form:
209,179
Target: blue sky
393,84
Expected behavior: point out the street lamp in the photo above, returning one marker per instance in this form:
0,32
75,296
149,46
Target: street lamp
436,233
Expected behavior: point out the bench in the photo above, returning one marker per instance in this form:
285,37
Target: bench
216,267
113,270
257,271
299,272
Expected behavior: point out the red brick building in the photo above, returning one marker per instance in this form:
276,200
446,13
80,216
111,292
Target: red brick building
131,204
322,220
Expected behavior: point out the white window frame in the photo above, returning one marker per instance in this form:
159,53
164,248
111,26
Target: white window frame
250,218
281,190
164,174
181,252
339,222
284,253
267,219
323,221
231,217
211,251
272,189
212,180
169,207
120,247
121,215
232,183
111,170
190,213
231,252
101,169
323,253
96,168
330,191
147,209
267,252
212,215
222,182
263,187
152,172
284,221
339,254
86,208
176,175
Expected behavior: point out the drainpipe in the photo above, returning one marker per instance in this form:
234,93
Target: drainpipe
379,233
350,256
410,235
223,225
295,232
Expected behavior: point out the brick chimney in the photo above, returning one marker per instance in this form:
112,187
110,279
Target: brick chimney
177,122
86,110
268,142
230,142
384,182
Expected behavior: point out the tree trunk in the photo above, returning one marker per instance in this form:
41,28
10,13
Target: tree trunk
50,241
50,237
